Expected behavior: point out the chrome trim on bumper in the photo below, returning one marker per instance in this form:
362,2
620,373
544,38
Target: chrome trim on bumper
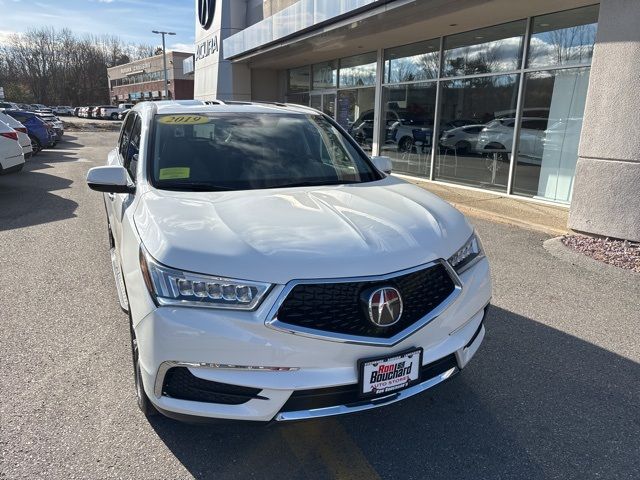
378,402
165,366
275,324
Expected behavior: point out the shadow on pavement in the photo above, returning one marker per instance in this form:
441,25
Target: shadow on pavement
534,403
26,196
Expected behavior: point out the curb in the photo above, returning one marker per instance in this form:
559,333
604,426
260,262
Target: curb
496,217
558,249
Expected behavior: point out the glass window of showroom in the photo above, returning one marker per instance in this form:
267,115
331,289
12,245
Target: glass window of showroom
344,89
498,108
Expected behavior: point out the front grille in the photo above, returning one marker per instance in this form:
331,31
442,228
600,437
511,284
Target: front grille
349,394
337,308
180,383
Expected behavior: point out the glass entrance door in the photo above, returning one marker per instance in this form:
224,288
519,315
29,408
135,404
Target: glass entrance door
356,114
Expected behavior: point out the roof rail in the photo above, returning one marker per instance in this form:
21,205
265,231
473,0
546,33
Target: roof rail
262,102
302,107
266,102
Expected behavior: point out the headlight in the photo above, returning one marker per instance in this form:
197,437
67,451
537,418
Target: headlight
174,287
469,254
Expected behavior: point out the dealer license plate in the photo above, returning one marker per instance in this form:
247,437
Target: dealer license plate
381,376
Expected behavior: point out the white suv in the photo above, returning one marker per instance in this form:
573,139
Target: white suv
272,271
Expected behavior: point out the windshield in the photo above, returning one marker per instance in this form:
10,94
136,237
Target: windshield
245,151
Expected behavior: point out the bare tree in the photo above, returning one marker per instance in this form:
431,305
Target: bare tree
57,67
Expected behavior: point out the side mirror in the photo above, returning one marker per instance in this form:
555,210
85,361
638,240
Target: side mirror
382,163
112,179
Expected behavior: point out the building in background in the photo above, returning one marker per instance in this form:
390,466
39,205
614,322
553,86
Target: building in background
532,99
144,79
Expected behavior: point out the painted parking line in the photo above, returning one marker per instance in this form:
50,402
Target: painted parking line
328,443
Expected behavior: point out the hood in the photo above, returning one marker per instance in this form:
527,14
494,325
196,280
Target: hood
277,235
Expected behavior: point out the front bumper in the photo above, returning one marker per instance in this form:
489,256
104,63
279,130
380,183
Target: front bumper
237,349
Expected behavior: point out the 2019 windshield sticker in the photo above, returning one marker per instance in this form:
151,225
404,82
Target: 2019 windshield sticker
175,173
184,119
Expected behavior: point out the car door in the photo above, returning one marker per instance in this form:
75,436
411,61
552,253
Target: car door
115,201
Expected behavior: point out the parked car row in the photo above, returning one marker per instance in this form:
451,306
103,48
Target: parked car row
34,107
12,155
104,112
15,144
24,133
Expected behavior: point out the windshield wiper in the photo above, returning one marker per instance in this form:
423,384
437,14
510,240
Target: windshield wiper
195,187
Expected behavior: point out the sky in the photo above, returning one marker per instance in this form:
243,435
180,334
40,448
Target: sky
131,20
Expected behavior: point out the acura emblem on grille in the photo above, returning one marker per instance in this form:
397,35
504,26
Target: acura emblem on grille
384,306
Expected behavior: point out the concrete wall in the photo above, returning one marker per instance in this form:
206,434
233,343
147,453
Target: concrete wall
255,11
264,86
606,196
175,65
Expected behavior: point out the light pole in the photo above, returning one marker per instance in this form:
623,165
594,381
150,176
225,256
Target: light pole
164,61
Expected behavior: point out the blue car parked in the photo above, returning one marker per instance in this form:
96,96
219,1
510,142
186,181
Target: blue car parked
41,133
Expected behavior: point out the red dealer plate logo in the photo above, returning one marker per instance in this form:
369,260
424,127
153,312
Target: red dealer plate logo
382,376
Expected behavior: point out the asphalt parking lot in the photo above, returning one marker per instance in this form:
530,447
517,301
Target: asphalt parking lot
552,394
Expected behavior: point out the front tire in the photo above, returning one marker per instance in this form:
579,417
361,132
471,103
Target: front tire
144,404
114,116
36,146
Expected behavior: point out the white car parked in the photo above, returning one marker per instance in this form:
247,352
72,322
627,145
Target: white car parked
497,137
21,130
113,113
461,139
272,271
63,110
9,105
11,155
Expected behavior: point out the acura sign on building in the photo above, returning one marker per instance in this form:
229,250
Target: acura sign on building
206,10
216,77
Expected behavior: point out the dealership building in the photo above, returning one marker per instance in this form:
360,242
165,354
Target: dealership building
533,99
144,79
